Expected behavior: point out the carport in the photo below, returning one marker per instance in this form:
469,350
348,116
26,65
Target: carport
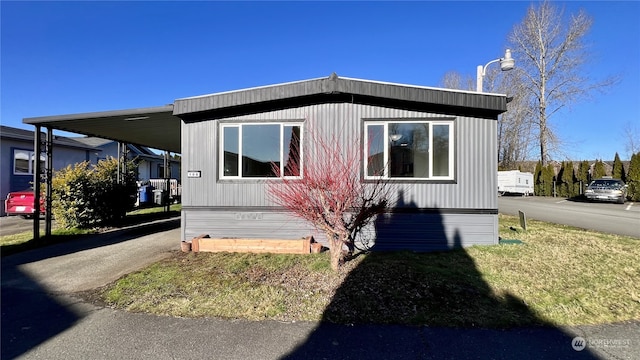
154,127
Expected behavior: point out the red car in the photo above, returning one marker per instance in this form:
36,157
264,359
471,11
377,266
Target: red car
21,203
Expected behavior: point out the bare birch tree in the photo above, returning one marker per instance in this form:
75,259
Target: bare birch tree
514,126
631,137
453,80
331,194
550,53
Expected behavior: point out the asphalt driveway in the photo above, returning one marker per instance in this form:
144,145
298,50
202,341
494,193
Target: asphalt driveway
10,225
42,319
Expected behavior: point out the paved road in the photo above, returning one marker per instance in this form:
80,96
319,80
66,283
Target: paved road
41,319
605,217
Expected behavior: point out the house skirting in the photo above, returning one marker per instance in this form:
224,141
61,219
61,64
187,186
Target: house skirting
414,229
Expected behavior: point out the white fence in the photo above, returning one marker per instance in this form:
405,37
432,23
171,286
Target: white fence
161,184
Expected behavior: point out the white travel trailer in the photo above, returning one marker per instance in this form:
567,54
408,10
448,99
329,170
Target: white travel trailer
515,182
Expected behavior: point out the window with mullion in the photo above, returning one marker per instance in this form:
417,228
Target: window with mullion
260,150
421,150
24,162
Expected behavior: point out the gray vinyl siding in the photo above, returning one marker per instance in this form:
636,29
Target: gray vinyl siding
475,153
433,231
467,206
246,223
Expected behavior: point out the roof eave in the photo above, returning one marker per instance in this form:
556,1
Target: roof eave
335,89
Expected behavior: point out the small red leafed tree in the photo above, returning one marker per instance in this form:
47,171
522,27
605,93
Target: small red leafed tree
329,192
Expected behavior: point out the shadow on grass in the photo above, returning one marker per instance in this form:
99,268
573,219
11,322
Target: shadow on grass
450,309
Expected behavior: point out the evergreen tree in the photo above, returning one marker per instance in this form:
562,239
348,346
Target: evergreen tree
618,169
561,187
537,176
582,176
598,170
548,172
634,177
567,178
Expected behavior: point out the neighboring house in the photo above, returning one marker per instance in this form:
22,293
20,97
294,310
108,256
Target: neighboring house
150,164
18,160
438,147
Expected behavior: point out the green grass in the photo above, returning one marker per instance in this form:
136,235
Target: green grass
16,239
558,276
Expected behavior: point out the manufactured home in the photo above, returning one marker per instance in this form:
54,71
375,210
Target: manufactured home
515,182
438,147
439,150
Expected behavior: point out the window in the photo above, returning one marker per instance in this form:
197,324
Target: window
263,150
161,174
409,149
24,160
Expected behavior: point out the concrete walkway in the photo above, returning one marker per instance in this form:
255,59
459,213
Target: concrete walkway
41,319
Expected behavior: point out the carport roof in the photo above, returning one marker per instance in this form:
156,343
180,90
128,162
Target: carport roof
155,127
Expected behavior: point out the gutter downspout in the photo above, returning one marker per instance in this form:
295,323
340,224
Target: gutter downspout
49,194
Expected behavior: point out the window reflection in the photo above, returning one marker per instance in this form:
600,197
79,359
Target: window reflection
21,162
409,149
291,150
440,150
260,150
231,148
375,141
24,162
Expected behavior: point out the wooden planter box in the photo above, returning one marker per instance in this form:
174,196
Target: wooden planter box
278,246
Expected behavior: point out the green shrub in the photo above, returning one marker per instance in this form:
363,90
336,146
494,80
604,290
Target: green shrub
85,195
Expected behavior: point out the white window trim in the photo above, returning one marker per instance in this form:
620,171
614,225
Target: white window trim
431,123
239,126
30,156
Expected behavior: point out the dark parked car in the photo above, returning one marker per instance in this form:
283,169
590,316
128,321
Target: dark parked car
607,189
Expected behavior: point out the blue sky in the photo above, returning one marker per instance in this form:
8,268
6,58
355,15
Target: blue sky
73,57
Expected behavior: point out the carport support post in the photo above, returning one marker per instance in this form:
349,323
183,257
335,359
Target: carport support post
166,174
49,150
118,173
37,173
